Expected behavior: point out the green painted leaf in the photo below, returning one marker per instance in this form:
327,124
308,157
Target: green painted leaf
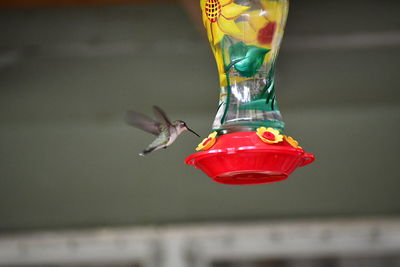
260,104
246,59
237,51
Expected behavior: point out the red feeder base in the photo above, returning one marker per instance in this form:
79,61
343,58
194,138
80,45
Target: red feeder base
242,158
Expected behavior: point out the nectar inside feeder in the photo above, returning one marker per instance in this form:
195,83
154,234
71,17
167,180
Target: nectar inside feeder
248,144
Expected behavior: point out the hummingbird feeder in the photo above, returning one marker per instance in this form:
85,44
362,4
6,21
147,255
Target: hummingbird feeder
248,144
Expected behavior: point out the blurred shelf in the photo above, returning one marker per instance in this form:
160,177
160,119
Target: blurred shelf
201,245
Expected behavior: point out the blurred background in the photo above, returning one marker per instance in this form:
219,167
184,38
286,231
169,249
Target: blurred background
74,192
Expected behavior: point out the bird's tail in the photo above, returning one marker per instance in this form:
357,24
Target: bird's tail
146,151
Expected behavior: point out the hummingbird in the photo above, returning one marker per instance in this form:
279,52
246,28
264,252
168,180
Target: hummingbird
165,130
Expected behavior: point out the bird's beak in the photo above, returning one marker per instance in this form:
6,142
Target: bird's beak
190,130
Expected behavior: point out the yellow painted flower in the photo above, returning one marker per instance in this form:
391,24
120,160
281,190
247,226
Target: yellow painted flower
262,25
219,18
274,10
221,70
220,65
208,142
269,135
292,142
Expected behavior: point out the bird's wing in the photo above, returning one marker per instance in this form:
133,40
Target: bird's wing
142,122
160,114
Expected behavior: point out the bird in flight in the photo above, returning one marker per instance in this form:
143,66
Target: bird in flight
165,130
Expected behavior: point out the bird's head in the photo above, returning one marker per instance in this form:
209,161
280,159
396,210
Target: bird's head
181,126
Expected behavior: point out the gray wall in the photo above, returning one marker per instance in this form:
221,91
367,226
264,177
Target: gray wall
68,75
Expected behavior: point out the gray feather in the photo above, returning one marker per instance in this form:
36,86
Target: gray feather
161,115
142,122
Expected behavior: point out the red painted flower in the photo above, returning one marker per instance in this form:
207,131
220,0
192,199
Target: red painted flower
269,135
266,33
